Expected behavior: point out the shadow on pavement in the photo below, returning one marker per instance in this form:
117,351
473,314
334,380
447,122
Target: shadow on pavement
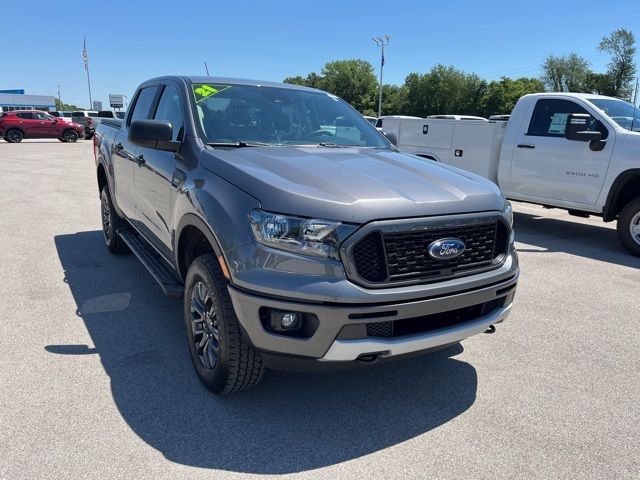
582,239
289,423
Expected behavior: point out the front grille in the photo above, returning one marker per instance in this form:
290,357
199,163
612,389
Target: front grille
436,321
368,254
403,256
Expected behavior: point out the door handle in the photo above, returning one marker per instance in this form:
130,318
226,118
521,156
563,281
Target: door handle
117,147
140,160
526,145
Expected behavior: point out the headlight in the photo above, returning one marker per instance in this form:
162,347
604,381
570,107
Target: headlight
301,235
508,213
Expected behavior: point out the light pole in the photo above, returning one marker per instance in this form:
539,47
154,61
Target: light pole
381,42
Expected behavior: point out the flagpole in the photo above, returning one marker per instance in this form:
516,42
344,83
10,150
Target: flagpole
381,42
86,67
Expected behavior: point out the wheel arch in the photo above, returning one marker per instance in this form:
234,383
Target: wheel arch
102,177
24,135
193,238
625,188
426,156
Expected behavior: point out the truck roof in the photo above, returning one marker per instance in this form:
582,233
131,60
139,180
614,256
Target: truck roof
236,81
587,96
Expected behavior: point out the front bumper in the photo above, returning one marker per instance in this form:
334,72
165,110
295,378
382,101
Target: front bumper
329,342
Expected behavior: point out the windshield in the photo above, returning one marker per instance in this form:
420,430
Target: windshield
623,113
279,116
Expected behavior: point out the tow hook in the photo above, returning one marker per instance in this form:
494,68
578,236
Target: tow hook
491,329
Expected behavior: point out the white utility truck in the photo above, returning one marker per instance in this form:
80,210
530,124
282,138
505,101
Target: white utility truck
578,152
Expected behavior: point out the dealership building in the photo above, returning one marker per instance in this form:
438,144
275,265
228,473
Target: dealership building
17,100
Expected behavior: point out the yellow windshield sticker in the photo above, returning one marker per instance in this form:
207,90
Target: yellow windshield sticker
202,91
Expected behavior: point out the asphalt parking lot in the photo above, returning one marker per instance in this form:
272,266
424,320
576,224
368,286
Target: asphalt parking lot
96,380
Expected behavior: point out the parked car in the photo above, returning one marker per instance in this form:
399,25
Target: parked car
88,119
19,124
65,116
573,151
292,246
371,120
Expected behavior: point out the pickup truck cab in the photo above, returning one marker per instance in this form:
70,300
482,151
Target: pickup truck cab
88,119
293,242
578,152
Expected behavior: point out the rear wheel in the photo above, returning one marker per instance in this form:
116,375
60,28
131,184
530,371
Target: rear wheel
111,222
224,361
629,227
70,136
14,136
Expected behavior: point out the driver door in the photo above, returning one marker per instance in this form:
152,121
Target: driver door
548,167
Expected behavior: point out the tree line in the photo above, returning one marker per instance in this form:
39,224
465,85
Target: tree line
449,90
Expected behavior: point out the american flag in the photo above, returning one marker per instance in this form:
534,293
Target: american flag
85,57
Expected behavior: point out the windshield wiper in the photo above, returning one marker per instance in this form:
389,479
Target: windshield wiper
239,144
330,144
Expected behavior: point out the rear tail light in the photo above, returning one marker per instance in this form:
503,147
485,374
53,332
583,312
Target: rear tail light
89,121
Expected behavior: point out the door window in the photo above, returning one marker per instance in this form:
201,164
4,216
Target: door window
143,103
43,116
25,115
170,109
549,118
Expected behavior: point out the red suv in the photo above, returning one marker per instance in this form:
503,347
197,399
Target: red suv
19,124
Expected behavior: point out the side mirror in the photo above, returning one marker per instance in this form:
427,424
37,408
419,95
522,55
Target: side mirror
155,134
391,137
577,129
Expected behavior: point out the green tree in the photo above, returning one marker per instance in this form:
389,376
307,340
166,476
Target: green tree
297,80
443,90
312,80
565,74
502,95
63,107
599,83
621,71
353,80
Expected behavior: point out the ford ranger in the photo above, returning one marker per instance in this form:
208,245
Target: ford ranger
297,236
574,151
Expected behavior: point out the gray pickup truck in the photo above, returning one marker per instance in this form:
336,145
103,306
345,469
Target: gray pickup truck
296,233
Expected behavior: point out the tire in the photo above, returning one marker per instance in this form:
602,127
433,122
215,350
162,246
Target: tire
629,227
14,136
224,361
70,135
62,140
111,223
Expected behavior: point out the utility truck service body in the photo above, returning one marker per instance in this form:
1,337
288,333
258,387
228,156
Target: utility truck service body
590,168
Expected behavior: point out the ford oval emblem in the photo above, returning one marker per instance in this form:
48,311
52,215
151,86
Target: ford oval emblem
446,248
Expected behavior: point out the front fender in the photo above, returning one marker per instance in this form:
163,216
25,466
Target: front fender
217,208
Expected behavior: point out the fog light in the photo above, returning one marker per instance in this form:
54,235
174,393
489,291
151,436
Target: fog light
289,320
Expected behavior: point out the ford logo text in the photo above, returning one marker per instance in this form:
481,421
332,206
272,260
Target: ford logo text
446,248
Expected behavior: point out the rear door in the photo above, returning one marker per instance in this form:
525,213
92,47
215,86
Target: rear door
547,166
28,124
123,154
157,176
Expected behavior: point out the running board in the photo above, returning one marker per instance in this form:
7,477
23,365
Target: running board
153,262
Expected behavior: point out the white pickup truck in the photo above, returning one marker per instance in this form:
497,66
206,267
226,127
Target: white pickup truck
578,152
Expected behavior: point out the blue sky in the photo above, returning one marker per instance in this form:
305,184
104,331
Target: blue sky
129,42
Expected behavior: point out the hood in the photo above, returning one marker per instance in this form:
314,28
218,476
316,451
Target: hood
354,185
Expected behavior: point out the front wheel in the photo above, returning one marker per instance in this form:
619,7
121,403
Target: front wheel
629,227
111,222
70,136
224,361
